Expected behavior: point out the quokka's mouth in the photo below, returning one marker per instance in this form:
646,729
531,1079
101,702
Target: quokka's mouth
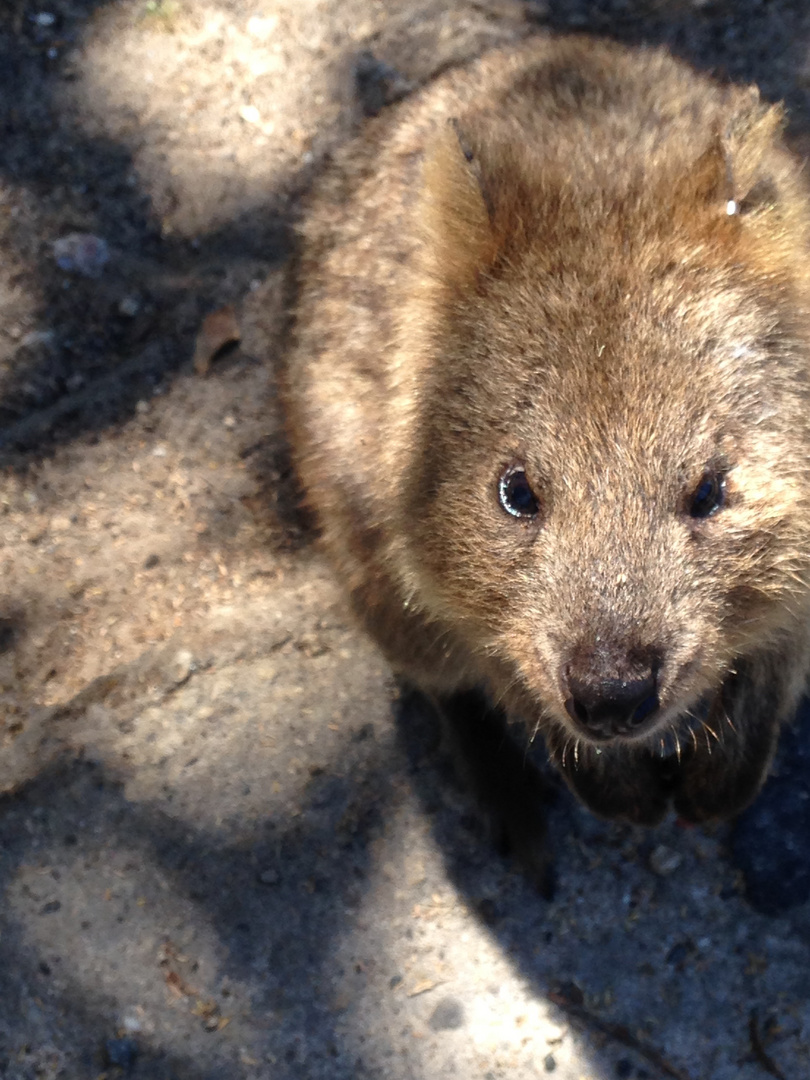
641,780
665,732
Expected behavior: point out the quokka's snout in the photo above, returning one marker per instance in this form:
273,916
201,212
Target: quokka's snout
612,693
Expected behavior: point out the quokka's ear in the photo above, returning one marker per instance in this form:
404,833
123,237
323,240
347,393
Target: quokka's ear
460,240
708,181
752,130
732,173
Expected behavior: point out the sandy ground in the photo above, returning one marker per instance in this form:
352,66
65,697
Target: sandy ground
228,849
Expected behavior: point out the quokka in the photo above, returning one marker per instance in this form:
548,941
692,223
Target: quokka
549,400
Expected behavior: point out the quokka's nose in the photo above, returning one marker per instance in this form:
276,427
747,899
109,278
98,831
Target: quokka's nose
606,707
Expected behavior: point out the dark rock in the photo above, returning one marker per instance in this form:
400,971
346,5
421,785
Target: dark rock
680,953
121,1053
378,84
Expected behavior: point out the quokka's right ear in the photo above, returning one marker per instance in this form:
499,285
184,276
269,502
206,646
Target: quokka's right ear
460,239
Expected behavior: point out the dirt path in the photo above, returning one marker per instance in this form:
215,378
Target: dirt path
226,850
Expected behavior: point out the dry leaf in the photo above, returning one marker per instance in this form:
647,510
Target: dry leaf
179,987
205,1007
218,329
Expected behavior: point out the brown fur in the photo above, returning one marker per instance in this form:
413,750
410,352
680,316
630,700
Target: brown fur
532,260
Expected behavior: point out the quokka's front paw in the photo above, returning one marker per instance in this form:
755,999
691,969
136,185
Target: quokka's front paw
520,829
504,781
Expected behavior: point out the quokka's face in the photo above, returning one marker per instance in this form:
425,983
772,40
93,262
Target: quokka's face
610,492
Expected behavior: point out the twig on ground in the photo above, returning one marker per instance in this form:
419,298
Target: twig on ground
619,1033
760,1054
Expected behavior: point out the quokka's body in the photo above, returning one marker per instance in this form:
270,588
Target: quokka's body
549,402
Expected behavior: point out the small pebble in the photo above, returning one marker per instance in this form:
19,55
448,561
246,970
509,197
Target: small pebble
270,877
131,1023
151,562
129,307
250,114
447,1016
183,667
81,253
664,861
262,27
38,337
555,1033
549,1064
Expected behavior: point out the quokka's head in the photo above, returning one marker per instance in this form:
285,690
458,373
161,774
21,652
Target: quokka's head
609,485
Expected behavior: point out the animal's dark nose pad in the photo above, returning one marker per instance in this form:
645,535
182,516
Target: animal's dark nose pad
609,707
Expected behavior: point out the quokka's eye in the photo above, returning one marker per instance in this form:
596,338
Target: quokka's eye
516,495
709,496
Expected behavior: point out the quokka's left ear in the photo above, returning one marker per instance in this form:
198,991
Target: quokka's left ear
734,174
